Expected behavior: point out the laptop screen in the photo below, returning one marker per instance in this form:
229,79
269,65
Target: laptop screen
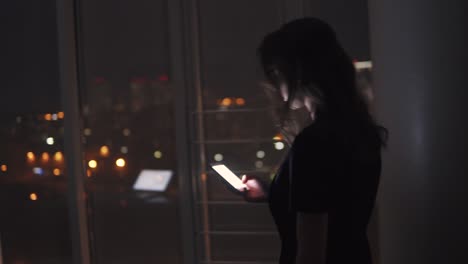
153,180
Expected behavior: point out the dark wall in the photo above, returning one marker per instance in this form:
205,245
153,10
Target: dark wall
420,51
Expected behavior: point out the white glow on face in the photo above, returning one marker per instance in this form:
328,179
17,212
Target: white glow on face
260,154
218,157
229,176
279,145
50,141
284,92
296,103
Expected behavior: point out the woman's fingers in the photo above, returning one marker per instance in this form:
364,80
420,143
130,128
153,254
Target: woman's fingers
246,178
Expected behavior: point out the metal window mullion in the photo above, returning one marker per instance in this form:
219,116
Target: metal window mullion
72,131
179,79
192,25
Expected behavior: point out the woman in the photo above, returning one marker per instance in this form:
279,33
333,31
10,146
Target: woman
323,194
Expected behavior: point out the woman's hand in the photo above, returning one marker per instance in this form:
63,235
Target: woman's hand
256,190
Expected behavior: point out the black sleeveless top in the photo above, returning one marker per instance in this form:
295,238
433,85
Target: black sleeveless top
328,173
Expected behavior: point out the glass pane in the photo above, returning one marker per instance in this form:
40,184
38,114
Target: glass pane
127,108
229,43
238,125
34,225
224,216
245,247
238,129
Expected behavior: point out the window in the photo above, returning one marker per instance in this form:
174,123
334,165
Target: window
34,223
234,125
165,89
127,107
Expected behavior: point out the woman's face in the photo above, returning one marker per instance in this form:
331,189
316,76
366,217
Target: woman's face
306,101
299,101
296,103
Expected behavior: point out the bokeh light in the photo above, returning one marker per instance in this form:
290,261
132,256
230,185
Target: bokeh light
92,164
120,163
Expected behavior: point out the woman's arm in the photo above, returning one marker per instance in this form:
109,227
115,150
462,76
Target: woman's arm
311,232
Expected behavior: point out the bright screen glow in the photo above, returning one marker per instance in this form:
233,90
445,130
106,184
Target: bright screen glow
153,180
229,176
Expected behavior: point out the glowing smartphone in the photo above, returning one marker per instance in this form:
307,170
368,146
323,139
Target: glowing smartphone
229,176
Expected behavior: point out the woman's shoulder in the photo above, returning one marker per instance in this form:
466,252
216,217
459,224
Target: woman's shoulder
312,135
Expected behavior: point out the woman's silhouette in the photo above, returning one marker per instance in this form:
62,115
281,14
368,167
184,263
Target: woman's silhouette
323,194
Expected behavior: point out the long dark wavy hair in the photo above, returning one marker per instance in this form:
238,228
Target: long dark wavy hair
306,55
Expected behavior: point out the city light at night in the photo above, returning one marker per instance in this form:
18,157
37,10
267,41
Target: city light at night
45,157
278,137
58,156
50,141
54,116
218,157
260,154
104,150
126,132
226,101
279,145
38,171
158,154
124,149
3,168
33,197
30,157
87,131
240,101
120,163
92,164
259,164
56,172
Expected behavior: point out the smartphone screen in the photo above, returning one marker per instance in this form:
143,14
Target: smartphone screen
229,176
